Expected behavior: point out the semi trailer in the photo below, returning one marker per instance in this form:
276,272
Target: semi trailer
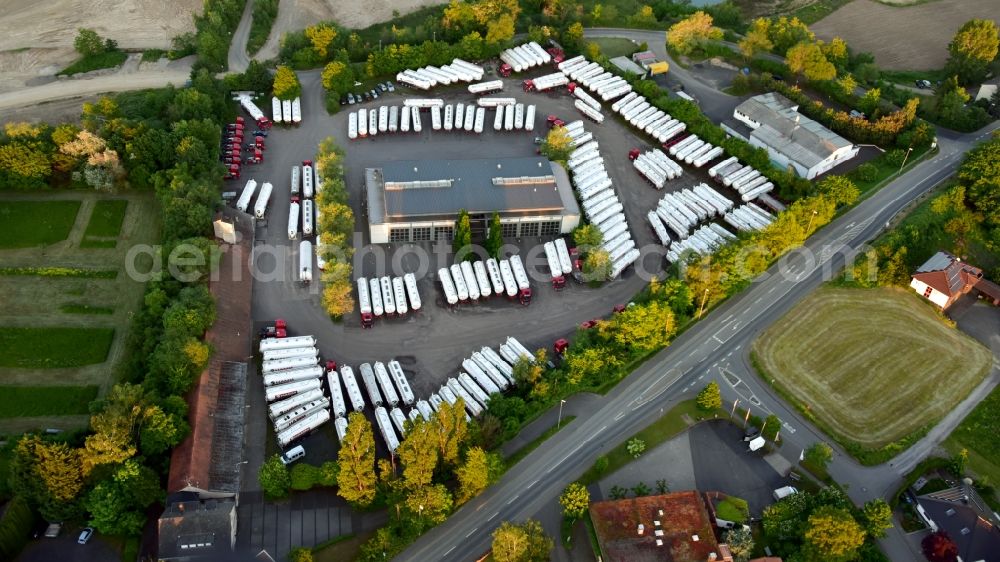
371,384
385,384
271,344
353,390
303,427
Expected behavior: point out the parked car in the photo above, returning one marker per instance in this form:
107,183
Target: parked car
260,133
368,96
350,99
784,492
85,536
293,454
925,84
374,93
381,87
539,140
857,114
390,87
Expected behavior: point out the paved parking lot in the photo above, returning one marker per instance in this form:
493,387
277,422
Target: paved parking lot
710,456
430,345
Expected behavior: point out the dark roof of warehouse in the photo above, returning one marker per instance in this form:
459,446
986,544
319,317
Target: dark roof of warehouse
467,184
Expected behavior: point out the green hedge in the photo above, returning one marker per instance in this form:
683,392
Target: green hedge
15,527
61,272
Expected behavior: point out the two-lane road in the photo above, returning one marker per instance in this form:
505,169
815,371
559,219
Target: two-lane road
656,386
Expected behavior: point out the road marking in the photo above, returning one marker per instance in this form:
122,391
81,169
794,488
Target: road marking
686,388
449,551
472,532
718,340
532,484
758,300
492,516
511,500
701,377
603,427
788,427
620,416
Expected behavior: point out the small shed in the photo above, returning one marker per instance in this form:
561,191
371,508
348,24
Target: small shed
626,65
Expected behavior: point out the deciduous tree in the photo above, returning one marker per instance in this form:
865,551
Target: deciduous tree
117,505
597,265
430,504
286,83
757,39
320,36
839,189
451,429
356,481
710,398
419,455
338,77
473,475
461,243
807,59
575,500
88,43
740,541
878,517
526,542
274,477
494,240
557,145
819,454
643,327
587,236
972,49
692,33
832,534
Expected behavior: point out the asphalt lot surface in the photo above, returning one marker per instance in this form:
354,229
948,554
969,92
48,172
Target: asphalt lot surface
432,344
680,370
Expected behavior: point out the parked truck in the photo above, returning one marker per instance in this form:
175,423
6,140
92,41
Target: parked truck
353,390
305,261
276,409
388,298
248,190
268,367
270,344
521,276
307,179
276,110
341,425
410,282
375,290
301,412
385,384
448,286
371,384
303,427
273,393
293,221
338,404
296,111
258,116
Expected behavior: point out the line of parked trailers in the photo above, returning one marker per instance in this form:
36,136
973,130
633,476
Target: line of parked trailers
746,180
293,387
387,296
286,111
466,281
592,76
263,197
523,57
302,211
510,115
429,76
600,202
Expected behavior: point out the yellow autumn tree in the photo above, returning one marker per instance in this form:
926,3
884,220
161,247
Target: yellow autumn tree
286,84
338,298
321,35
501,29
692,32
58,466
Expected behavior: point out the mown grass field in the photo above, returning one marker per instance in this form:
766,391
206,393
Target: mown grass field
978,434
870,366
24,224
105,222
54,347
25,401
66,307
615,46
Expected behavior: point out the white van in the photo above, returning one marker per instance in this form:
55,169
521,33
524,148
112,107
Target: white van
293,454
780,493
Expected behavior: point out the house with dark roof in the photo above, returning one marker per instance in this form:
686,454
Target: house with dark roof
773,122
968,520
419,200
944,278
197,526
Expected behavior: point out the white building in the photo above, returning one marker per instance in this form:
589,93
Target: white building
772,121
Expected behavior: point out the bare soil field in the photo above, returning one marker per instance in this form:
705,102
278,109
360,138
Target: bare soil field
903,37
874,365
297,14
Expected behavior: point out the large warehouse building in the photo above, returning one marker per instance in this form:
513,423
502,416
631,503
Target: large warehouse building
419,200
773,122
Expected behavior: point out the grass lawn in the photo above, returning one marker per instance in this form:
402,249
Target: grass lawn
614,46
23,401
815,11
110,59
50,348
24,224
978,433
875,368
347,547
106,219
74,308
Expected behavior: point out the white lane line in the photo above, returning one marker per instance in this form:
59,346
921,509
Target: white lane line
449,551
603,427
532,484
492,516
511,500
472,532
620,416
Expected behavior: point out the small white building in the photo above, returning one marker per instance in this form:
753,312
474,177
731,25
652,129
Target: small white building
772,122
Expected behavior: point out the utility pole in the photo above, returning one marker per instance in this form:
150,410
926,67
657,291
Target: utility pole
559,422
908,151
704,298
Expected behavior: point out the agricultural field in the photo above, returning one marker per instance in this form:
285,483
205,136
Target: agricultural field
68,301
912,37
871,366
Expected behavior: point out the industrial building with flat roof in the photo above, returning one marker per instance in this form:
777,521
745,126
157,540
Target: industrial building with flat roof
419,200
772,121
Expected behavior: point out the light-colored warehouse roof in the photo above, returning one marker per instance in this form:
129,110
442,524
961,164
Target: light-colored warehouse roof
789,132
626,65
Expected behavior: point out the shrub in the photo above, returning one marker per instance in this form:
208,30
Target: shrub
304,476
274,478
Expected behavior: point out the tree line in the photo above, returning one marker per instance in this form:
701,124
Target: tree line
167,140
335,225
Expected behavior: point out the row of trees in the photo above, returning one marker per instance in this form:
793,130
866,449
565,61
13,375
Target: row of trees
965,218
826,526
113,474
335,228
214,29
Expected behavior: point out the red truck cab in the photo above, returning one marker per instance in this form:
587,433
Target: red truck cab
504,70
367,320
560,346
633,154
524,296
331,365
